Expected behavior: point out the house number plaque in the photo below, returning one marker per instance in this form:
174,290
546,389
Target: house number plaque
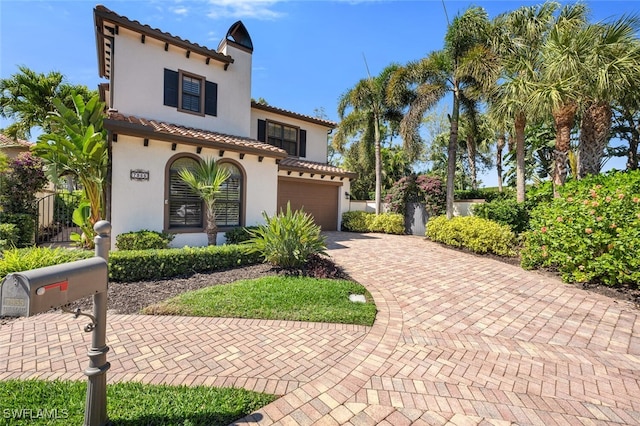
139,175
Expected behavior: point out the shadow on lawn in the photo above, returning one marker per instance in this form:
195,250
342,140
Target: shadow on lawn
206,419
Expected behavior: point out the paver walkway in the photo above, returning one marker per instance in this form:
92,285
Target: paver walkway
458,340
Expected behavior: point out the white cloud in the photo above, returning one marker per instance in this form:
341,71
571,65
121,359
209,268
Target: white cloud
256,9
182,11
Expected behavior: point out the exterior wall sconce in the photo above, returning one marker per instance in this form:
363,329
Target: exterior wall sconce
347,196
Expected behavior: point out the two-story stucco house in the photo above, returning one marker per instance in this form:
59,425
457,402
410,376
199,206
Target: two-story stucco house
173,102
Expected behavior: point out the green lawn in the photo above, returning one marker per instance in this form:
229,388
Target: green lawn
278,298
36,402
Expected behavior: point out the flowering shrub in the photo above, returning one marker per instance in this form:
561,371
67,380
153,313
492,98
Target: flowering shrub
591,233
421,189
20,183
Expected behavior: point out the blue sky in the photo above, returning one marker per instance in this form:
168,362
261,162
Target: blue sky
306,53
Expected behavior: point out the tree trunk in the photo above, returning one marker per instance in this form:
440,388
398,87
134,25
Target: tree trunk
378,156
632,154
499,148
471,152
595,131
563,118
452,151
212,228
520,124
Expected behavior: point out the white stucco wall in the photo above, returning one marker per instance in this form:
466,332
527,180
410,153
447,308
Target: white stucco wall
139,205
137,83
316,134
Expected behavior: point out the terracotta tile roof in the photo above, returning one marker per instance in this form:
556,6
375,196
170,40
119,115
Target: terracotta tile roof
296,164
152,129
292,114
103,14
7,142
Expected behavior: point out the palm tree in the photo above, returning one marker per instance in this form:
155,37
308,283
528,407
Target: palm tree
564,55
205,179
517,39
368,115
27,97
610,72
466,68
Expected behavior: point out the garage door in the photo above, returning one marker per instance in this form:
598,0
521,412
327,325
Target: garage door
319,200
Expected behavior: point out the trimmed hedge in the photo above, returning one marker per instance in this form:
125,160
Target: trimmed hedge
143,240
141,265
359,221
24,259
474,233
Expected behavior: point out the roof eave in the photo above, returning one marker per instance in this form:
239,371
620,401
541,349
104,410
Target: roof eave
325,123
143,131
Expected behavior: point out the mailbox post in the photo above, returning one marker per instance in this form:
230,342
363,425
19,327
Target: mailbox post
95,411
31,292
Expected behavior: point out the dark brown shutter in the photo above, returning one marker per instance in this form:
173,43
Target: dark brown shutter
211,98
262,130
303,143
171,88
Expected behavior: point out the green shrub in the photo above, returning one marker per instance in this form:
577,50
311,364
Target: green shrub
483,194
143,240
474,233
359,221
142,265
506,212
288,239
24,259
355,221
9,234
26,225
591,233
239,235
388,223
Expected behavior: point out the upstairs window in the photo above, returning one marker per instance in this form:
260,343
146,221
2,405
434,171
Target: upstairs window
291,139
190,93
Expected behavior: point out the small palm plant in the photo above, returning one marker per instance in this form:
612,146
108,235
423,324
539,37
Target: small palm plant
205,180
288,239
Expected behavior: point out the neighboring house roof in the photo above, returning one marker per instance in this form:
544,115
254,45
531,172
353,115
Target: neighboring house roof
315,120
152,129
298,165
7,142
104,34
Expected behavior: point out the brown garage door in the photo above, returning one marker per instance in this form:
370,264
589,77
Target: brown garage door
319,200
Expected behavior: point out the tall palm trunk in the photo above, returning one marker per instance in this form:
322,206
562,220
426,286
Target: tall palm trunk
520,124
378,154
452,150
471,152
595,131
499,148
563,118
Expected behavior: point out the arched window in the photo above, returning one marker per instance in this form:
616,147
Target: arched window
229,200
185,207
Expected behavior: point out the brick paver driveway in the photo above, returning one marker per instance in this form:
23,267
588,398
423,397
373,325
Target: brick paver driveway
458,340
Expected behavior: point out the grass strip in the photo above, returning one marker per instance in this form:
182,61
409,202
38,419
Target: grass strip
38,402
276,298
